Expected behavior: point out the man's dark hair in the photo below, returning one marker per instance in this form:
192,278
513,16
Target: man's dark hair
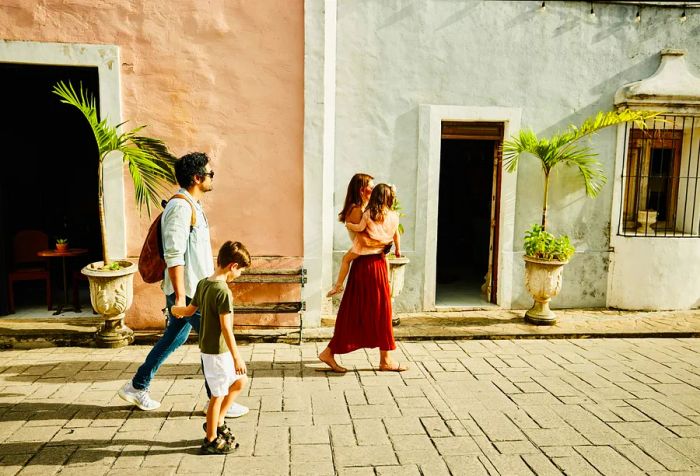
189,166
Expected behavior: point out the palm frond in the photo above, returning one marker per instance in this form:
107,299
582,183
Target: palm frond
584,159
105,135
606,119
149,161
526,141
151,172
563,148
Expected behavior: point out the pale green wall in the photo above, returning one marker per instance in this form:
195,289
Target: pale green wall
559,65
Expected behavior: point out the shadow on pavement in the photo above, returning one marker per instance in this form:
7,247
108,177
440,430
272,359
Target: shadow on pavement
82,451
75,371
33,411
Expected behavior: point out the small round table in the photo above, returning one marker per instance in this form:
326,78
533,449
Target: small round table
70,252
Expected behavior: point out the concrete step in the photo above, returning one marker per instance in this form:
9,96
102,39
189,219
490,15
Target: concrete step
452,325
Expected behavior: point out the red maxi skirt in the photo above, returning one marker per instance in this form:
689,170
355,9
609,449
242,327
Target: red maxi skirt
364,316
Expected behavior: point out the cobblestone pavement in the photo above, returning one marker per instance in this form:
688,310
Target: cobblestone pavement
587,406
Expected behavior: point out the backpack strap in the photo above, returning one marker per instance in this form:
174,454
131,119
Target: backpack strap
193,221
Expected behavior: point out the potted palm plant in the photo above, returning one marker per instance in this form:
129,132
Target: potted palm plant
151,167
545,255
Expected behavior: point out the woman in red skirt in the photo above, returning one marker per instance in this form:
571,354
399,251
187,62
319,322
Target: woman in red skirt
364,316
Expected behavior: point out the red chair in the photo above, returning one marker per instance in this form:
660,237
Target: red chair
27,266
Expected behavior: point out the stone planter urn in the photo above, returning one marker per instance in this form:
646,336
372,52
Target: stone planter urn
111,294
543,282
646,219
397,269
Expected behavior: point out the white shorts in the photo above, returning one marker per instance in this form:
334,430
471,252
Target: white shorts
219,372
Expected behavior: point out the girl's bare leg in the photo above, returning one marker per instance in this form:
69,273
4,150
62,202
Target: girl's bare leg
342,273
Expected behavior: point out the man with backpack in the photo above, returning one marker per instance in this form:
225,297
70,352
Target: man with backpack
188,258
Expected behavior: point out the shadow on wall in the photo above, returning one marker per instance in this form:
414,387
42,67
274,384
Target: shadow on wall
458,16
406,126
605,90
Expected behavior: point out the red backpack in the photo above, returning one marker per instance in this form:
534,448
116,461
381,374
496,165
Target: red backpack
151,262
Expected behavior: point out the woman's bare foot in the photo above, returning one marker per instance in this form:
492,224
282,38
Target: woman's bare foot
392,367
327,358
337,289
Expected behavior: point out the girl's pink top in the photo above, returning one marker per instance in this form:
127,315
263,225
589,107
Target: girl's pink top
372,236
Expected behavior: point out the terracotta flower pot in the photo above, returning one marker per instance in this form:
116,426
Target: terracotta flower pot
61,246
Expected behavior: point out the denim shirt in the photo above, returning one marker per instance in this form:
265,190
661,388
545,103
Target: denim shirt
182,247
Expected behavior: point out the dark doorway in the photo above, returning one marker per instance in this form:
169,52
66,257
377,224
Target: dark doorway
466,237
49,161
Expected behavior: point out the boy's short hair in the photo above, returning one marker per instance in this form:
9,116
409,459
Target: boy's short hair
233,252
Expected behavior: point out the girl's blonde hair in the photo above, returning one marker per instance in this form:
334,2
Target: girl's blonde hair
380,201
353,197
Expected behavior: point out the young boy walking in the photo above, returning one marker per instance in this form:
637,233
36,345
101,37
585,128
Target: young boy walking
224,369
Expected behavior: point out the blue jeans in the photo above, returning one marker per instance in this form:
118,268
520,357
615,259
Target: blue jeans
176,333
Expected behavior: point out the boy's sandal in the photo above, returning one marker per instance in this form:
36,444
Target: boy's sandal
219,446
222,430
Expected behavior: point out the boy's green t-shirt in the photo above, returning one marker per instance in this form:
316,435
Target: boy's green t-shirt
212,298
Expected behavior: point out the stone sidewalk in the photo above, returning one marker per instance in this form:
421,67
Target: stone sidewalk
586,406
477,324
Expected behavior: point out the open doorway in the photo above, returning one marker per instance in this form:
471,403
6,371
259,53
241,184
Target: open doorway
50,175
468,214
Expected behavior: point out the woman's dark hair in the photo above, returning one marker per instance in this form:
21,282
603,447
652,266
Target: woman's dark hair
233,252
353,197
189,166
382,197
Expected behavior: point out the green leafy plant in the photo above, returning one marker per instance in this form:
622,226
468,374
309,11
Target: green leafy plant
396,206
150,163
541,244
564,148
61,241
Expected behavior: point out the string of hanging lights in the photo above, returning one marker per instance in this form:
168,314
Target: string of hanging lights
639,4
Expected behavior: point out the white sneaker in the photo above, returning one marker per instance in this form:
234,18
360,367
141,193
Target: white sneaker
236,410
140,398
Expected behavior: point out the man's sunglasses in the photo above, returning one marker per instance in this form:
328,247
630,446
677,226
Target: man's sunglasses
210,174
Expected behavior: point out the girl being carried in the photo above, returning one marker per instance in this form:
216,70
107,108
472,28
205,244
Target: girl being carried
377,229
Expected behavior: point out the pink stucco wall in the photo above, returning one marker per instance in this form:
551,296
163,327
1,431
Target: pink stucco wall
221,76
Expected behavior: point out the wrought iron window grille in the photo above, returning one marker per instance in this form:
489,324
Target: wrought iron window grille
660,179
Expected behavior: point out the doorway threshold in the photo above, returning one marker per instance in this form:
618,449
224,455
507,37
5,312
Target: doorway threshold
40,312
467,306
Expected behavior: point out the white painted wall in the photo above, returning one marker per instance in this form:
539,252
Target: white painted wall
654,274
319,144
